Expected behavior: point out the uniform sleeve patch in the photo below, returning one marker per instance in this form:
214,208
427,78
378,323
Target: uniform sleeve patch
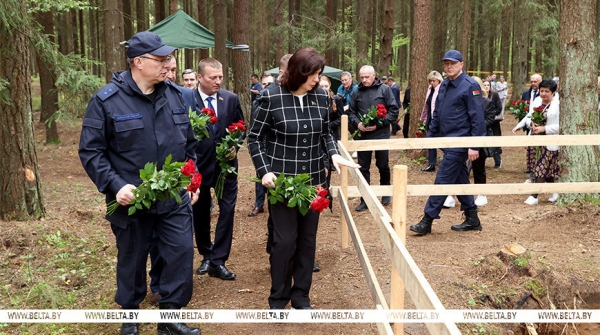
126,117
476,93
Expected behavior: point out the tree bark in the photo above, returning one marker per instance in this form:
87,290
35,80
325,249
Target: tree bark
20,178
220,19
464,43
387,35
93,21
113,35
439,33
241,59
172,7
520,46
82,50
203,20
142,19
49,104
577,44
361,56
505,39
127,19
330,13
278,38
159,10
418,64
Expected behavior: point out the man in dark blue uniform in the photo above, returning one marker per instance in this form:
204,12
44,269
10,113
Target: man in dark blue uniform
458,112
136,119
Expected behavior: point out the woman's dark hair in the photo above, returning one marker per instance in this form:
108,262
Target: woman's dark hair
303,63
549,84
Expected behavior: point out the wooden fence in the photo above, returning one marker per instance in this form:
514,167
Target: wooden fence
405,274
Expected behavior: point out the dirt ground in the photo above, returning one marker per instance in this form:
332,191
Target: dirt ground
67,259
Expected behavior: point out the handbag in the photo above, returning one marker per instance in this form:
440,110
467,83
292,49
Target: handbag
491,151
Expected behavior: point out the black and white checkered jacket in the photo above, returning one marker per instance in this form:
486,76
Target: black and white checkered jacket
285,138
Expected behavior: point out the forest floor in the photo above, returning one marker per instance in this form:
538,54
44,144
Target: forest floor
67,260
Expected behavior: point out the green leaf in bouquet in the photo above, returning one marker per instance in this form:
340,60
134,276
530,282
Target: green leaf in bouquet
168,160
131,210
292,202
147,203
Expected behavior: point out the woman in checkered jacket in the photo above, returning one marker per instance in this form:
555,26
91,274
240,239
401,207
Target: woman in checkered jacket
290,134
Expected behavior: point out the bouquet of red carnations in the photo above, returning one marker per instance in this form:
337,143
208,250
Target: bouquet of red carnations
538,117
226,151
161,185
373,116
422,131
297,192
199,122
519,109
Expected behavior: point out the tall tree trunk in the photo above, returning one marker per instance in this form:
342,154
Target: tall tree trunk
577,44
113,35
220,19
203,20
241,59
371,22
93,21
505,38
264,38
172,7
159,10
295,25
128,19
278,40
439,33
330,13
47,81
143,21
418,64
464,43
82,50
20,178
362,51
387,35
189,53
520,46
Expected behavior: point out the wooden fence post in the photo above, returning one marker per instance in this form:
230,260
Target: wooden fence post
344,181
399,208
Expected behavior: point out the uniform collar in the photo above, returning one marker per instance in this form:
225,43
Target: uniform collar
458,79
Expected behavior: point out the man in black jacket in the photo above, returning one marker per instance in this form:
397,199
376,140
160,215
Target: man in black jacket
370,93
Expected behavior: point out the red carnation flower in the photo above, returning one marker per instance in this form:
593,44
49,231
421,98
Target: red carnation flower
213,119
322,192
195,182
319,204
188,168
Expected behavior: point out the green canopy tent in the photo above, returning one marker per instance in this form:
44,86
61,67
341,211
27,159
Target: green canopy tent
182,31
330,72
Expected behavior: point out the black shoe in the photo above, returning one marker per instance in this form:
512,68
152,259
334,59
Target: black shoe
130,329
316,267
362,207
424,226
528,171
203,267
303,307
429,168
221,272
386,200
177,329
471,222
256,211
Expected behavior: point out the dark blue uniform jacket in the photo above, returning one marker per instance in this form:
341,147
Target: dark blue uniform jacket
123,130
458,110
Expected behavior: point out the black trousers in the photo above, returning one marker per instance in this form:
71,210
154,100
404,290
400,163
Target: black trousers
172,234
382,163
218,251
292,255
479,175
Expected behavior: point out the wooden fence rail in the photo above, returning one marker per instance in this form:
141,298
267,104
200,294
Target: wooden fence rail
405,274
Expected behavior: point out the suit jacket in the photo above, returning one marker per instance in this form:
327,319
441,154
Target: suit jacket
229,111
527,95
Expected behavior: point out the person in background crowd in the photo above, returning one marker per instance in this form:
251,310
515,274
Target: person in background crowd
489,107
190,79
273,144
384,80
172,70
458,112
255,87
406,117
435,79
546,168
530,95
228,110
370,93
347,88
115,144
335,118
396,92
497,106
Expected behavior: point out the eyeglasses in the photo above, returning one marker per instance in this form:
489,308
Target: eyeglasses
161,61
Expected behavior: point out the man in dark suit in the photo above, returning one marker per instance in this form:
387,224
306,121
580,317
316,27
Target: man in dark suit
533,91
228,110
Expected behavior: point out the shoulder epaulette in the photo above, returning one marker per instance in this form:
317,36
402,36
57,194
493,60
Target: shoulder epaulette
107,91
